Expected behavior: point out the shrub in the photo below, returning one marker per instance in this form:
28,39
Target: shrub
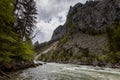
64,39
113,32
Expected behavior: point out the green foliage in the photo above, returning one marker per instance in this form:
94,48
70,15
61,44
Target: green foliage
70,24
7,36
114,43
91,58
53,56
101,58
113,57
114,36
6,14
64,39
12,47
24,51
79,56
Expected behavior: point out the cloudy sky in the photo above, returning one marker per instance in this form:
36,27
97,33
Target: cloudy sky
51,14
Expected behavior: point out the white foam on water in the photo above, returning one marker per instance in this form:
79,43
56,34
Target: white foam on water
55,71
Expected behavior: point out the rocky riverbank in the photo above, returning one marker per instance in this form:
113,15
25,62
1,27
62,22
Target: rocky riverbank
9,70
55,71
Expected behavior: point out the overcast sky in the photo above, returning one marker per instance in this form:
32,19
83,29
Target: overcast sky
51,14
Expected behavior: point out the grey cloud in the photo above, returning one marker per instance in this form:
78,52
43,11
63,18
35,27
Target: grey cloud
52,13
54,7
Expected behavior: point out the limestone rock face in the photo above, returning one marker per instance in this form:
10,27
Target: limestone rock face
58,33
84,33
92,17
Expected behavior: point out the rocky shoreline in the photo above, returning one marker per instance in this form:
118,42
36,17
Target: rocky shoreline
12,69
108,65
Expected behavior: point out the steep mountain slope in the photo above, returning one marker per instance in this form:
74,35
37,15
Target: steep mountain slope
52,47
84,38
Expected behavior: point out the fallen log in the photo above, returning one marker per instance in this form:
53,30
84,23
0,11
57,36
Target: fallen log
4,74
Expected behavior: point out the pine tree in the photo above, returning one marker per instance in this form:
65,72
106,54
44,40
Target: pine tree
25,14
7,36
25,18
12,46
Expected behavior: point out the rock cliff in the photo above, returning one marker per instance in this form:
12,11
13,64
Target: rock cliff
93,17
58,33
82,39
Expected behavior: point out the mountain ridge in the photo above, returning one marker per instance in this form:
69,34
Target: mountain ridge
83,39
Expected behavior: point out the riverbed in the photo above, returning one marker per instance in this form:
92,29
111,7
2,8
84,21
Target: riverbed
55,71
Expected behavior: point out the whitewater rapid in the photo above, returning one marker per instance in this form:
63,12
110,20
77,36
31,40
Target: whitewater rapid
55,71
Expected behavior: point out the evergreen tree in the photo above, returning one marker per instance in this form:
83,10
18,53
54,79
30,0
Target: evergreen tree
7,36
25,18
25,14
12,46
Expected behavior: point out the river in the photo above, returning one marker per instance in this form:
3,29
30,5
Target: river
55,71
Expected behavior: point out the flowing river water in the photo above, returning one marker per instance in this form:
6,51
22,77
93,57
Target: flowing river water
55,71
